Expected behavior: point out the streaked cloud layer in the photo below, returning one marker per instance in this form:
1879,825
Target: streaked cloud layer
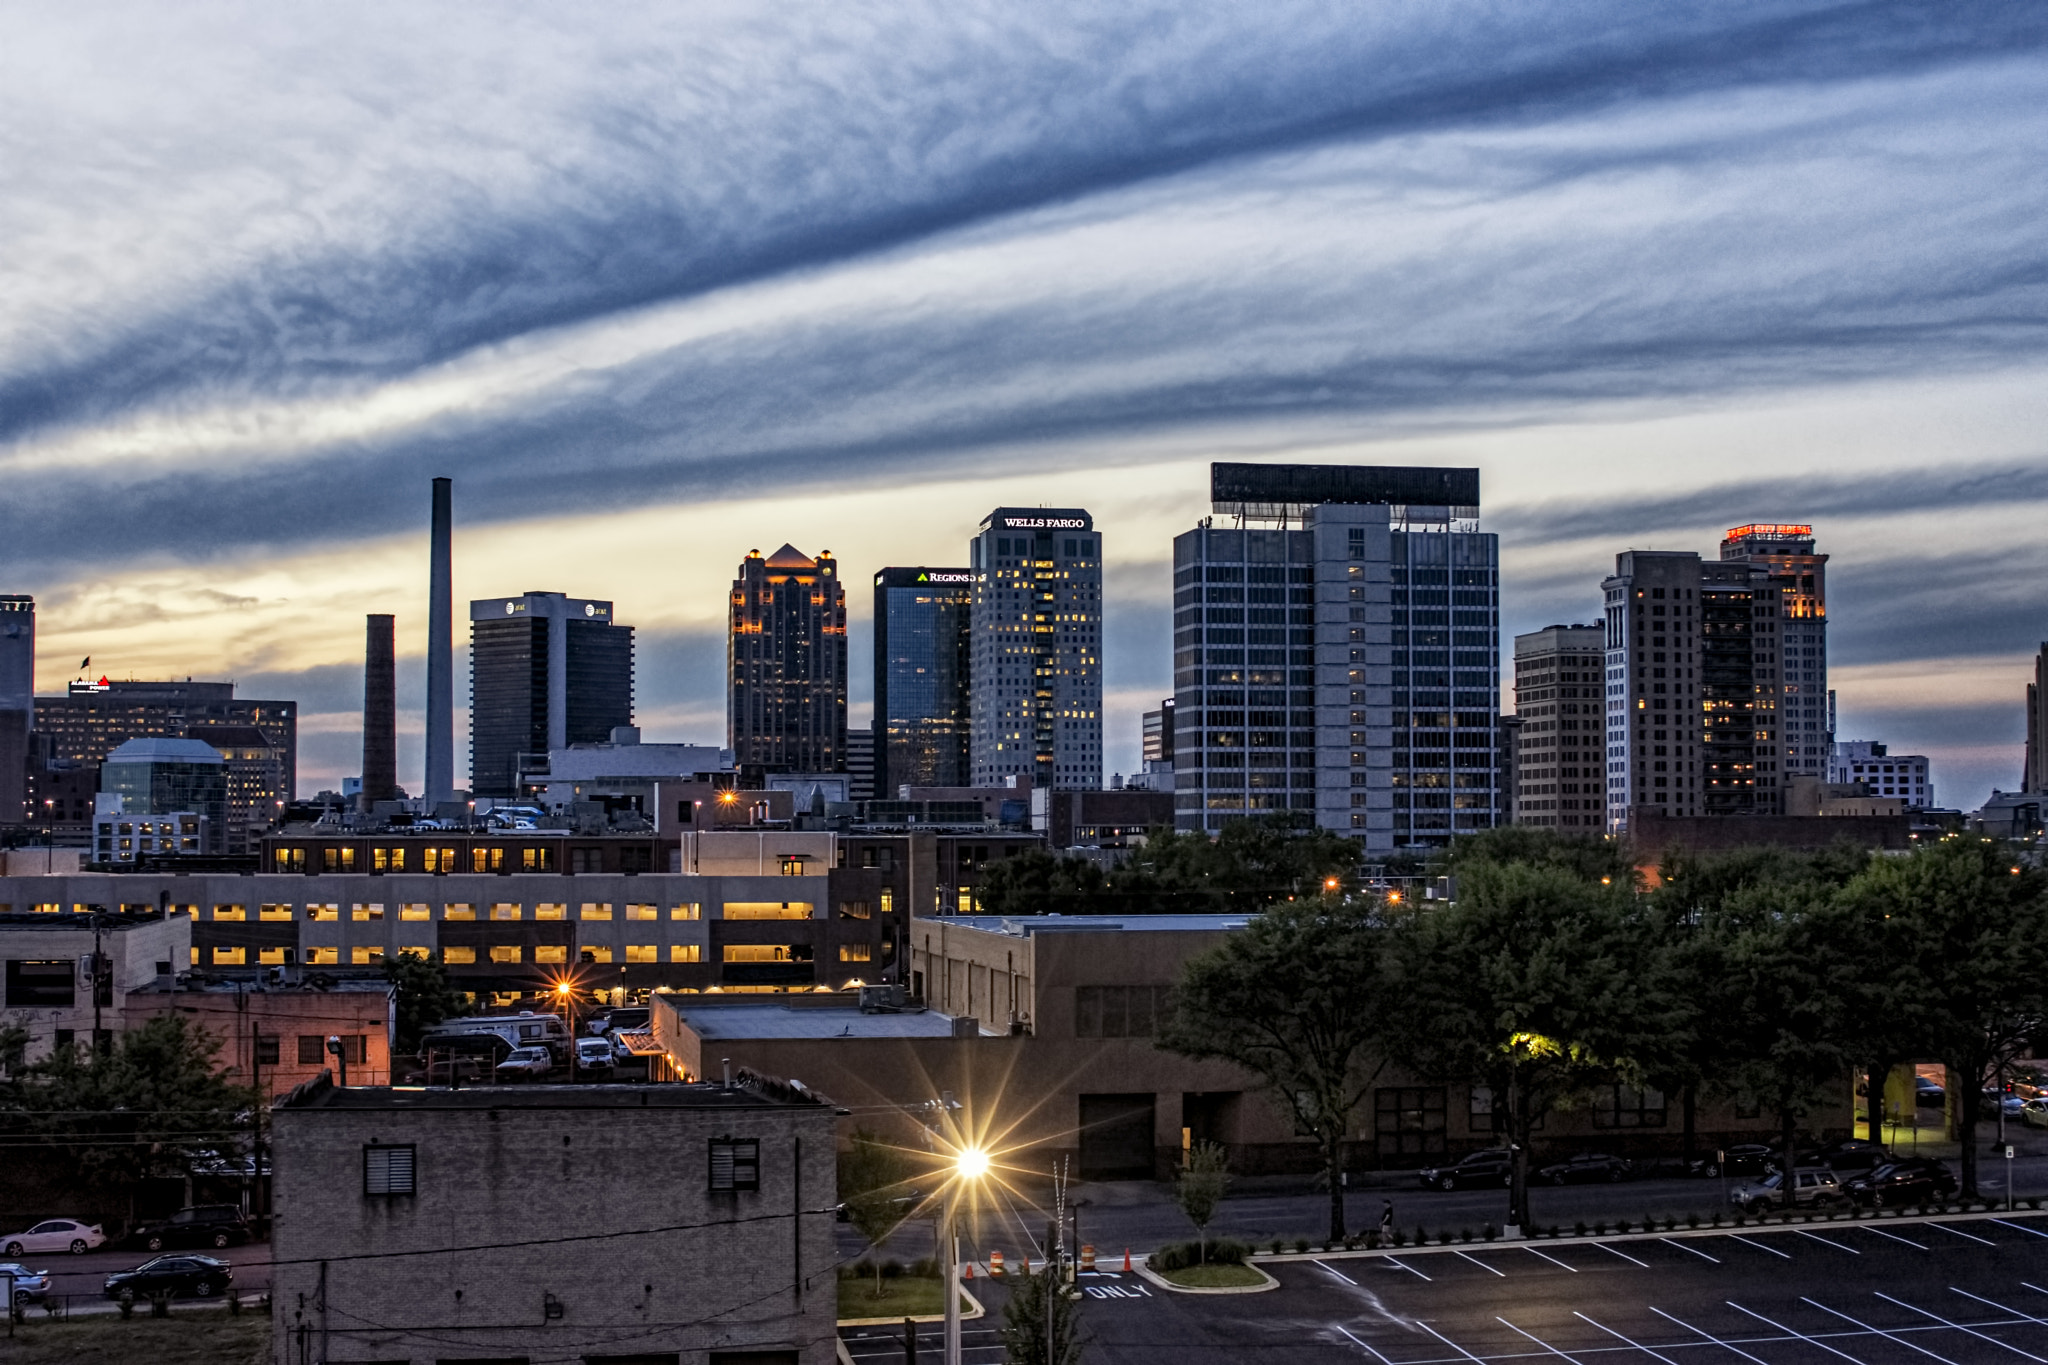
663,285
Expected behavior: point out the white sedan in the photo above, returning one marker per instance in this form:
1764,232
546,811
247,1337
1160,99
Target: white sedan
53,1234
2035,1112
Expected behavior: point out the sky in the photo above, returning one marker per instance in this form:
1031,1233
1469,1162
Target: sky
658,285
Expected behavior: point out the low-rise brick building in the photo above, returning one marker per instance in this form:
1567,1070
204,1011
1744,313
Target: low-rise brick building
690,1224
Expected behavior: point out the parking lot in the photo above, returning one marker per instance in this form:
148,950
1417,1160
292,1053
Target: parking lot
1953,1290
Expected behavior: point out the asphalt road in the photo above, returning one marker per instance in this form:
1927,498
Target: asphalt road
1950,1291
81,1279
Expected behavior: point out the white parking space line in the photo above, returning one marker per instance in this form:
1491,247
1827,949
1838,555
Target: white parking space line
1746,1241
1694,1250
1619,1337
1533,1337
2034,1232
1356,1342
1403,1265
1999,1306
1448,1342
1953,1233
1481,1264
1552,1259
1623,1254
1826,1242
1810,1341
1338,1273
1868,1327
1708,1335
1880,1232
1959,1326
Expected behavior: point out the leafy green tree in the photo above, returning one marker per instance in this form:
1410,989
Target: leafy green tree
1536,983
152,1104
1249,865
424,996
1973,928
1040,1323
1200,1186
1587,857
1300,998
1041,883
874,1184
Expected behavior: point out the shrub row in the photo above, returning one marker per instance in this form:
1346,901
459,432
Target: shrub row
1181,1255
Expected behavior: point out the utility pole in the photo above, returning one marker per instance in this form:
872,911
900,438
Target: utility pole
258,1204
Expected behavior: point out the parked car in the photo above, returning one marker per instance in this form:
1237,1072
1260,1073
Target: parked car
2034,1113
54,1234
1904,1180
525,1064
457,1071
1490,1168
1743,1158
204,1225
1586,1167
1848,1156
594,1056
30,1286
185,1275
1929,1094
1812,1187
1995,1100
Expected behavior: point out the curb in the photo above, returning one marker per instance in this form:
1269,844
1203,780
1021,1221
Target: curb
968,1314
1726,1230
1147,1273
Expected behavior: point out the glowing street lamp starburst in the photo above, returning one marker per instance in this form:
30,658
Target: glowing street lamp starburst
972,1163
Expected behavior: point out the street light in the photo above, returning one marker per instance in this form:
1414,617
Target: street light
969,1164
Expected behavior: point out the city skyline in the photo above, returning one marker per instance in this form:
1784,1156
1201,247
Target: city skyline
1789,281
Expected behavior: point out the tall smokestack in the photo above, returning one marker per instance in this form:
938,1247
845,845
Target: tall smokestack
380,713
441,653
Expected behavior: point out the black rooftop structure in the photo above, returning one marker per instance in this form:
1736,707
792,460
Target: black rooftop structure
1272,490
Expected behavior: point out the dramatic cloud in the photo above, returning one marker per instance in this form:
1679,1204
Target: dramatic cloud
662,285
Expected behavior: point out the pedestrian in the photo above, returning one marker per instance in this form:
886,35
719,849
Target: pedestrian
1387,1221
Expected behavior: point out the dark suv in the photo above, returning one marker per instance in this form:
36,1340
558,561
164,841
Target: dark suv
1489,1167
206,1225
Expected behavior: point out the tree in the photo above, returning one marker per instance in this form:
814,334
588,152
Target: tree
1535,983
1040,883
1299,998
1199,1188
424,996
1975,936
874,1184
1040,1324
152,1104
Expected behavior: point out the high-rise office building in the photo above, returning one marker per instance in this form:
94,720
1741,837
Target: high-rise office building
2034,776
1716,676
1037,651
1906,776
786,663
1335,653
253,767
95,718
17,702
546,671
1562,735
1156,735
923,658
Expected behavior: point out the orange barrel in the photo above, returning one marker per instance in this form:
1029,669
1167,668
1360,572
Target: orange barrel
995,1264
1087,1258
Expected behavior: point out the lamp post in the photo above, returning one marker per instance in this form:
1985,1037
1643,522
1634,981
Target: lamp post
970,1164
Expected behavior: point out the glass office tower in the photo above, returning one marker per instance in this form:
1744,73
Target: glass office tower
1037,650
1335,653
923,640
546,671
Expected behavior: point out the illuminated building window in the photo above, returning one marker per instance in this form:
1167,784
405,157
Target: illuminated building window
232,912
854,952
597,955
642,952
505,910
270,957
767,910
690,911
230,957
640,912
551,952
595,910
458,910
361,913
505,952
685,952
323,912
274,912
415,910
458,956
550,910
365,955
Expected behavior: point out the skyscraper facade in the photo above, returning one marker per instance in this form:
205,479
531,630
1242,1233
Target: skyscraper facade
17,702
923,659
1562,734
786,663
1335,653
1037,648
94,718
546,671
2034,775
1716,676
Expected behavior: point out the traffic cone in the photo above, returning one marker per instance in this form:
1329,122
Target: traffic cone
967,1271
1025,1269
1127,1260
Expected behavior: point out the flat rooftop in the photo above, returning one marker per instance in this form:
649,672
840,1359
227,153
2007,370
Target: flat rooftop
82,923
530,1096
1024,926
715,1022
